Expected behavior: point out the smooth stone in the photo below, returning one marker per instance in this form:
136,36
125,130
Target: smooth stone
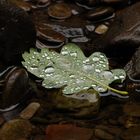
68,132
40,137
81,105
59,11
80,39
21,4
16,36
49,44
47,37
111,129
16,129
132,109
102,134
30,110
2,120
14,89
90,28
43,3
133,66
132,133
101,29
99,13
47,33
122,38
114,2
87,3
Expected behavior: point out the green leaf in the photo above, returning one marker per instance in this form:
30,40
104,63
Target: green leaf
72,70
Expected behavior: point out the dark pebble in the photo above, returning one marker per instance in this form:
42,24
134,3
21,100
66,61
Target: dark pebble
59,11
99,13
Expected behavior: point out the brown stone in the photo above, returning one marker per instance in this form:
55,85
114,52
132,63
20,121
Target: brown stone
16,129
68,131
102,134
132,133
132,109
30,110
59,11
99,13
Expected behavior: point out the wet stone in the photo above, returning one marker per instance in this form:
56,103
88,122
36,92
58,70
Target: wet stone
30,110
47,37
16,129
115,2
2,120
59,11
45,32
133,66
21,4
102,134
40,137
11,97
113,130
43,3
81,105
17,35
68,131
132,133
117,43
87,4
90,28
101,29
80,39
99,13
132,109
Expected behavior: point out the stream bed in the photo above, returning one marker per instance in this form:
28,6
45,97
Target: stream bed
28,111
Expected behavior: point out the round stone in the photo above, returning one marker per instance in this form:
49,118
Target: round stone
101,29
99,13
59,11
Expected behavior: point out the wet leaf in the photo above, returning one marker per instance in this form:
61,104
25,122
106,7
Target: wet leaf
71,69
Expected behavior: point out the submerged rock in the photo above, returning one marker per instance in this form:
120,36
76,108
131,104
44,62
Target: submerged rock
68,132
59,11
99,13
82,104
132,133
132,109
30,110
14,87
133,66
123,35
16,129
17,34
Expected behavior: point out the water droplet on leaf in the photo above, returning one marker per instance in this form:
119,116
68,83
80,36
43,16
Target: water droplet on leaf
49,70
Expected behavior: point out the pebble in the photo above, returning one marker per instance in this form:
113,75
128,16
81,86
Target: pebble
132,109
68,132
115,1
87,4
40,137
47,33
59,11
132,133
101,29
90,28
80,39
2,120
22,4
30,110
99,13
16,129
99,133
43,3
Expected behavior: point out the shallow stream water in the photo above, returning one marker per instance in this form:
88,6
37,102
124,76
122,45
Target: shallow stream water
52,116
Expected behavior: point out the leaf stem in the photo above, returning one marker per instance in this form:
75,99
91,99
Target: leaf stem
108,87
